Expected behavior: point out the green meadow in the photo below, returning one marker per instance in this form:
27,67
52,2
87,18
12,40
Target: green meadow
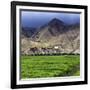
50,66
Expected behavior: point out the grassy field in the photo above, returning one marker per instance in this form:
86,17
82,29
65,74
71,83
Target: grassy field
50,66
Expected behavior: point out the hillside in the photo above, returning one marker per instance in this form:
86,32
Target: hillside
53,37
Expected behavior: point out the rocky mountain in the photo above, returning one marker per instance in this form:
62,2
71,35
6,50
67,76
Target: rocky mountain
54,28
27,31
53,37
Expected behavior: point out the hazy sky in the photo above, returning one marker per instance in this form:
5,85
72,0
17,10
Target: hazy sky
37,19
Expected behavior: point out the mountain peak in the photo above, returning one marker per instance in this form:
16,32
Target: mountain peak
56,21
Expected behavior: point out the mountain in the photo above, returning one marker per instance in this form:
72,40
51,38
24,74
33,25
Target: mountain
56,22
53,28
54,34
27,31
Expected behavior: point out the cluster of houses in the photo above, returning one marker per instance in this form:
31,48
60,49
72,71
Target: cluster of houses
56,50
43,51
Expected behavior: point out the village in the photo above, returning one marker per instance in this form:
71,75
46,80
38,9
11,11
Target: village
56,50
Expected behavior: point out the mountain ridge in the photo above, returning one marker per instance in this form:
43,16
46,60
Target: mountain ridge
54,33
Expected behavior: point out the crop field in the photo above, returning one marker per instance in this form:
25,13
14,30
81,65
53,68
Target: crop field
50,66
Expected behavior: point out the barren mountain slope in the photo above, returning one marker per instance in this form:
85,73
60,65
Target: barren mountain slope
54,33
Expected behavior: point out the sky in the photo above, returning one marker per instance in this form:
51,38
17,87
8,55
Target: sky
36,18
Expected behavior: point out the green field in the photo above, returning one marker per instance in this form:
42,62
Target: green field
50,66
